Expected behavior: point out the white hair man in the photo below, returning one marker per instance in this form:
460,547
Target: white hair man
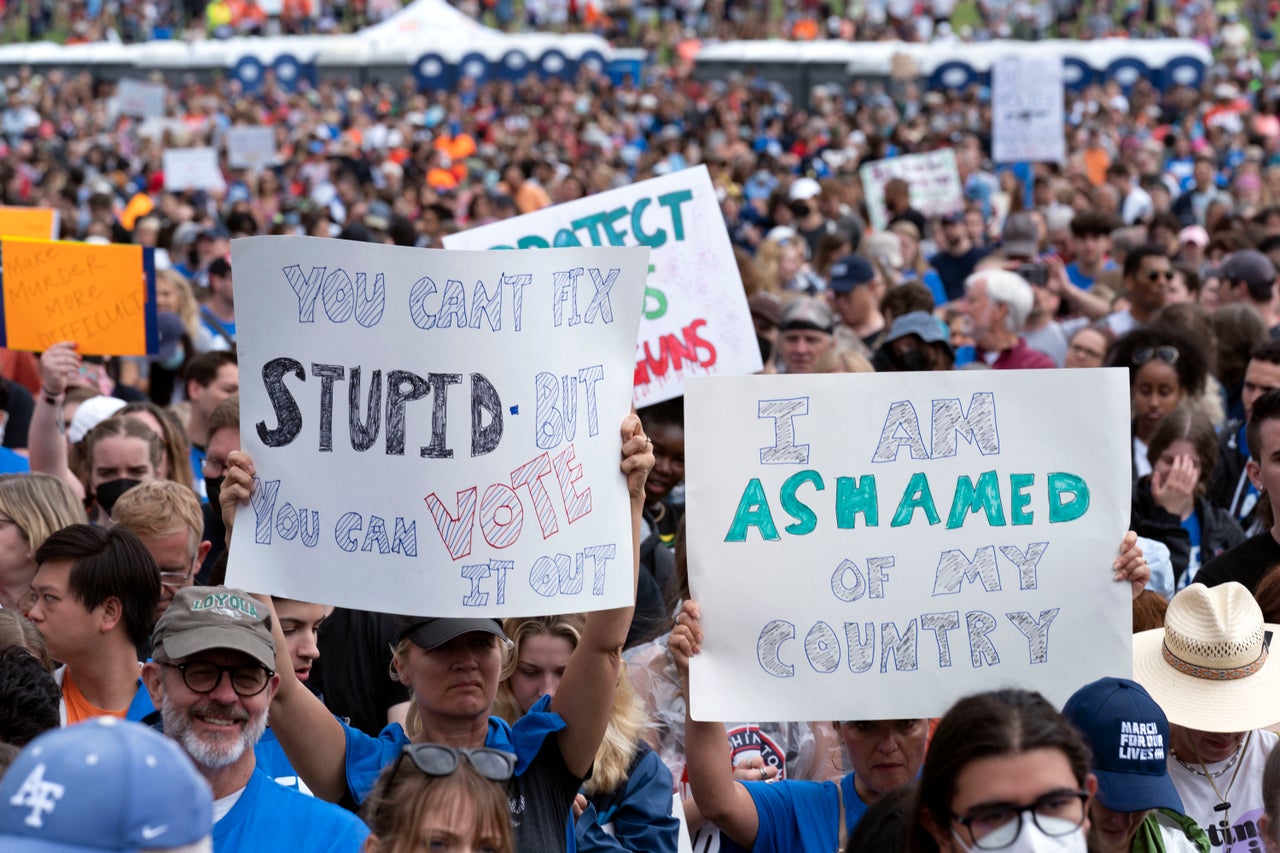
998,303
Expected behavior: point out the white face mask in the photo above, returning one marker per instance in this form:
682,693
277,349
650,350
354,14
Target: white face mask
1031,840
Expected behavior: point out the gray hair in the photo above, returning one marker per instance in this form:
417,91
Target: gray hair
1006,288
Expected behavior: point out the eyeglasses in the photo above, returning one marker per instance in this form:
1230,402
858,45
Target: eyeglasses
1167,354
175,579
1156,275
436,759
213,467
204,677
998,826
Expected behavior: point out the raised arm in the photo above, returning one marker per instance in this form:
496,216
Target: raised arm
708,763
585,695
47,440
312,738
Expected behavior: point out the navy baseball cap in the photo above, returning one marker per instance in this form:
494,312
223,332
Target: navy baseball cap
850,272
1129,737
104,784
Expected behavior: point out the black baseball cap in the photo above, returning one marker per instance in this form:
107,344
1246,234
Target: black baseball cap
430,632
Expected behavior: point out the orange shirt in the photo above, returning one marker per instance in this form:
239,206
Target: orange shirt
79,708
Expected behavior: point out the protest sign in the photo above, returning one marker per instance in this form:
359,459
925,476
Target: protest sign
1027,113
696,321
33,223
932,176
192,169
100,296
874,546
140,99
251,147
435,433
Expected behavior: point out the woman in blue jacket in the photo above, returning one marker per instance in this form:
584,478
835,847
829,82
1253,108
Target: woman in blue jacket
627,802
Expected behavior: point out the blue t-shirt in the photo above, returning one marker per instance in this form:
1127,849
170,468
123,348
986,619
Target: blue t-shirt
207,320
1081,280
13,463
275,764
638,817
366,756
1191,524
801,817
270,817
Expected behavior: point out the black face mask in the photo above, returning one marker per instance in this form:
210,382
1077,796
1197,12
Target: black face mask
913,360
800,209
213,488
106,494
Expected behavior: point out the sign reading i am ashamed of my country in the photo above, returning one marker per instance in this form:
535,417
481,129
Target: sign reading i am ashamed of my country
436,433
899,541
696,321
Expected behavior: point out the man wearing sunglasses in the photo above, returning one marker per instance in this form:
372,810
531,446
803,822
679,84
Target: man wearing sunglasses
1248,276
212,678
1147,273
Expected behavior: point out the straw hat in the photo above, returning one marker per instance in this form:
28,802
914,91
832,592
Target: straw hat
1208,667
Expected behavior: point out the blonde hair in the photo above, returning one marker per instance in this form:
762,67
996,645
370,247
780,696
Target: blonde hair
403,798
40,504
626,719
18,630
188,310
843,360
160,508
177,447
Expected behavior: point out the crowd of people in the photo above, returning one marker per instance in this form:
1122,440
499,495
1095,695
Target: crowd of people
302,725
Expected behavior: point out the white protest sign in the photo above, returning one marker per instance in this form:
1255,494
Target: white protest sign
1027,112
140,99
932,176
875,546
433,432
192,169
696,321
251,147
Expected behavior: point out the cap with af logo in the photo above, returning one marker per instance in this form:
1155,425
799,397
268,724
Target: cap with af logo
105,784
203,618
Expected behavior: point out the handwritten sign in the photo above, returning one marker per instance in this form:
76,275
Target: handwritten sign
932,177
696,321
251,147
34,223
192,169
874,546
100,296
141,99
435,432
1027,110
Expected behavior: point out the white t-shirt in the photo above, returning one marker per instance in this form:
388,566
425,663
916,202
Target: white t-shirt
1240,834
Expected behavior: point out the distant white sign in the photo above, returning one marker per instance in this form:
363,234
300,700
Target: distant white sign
192,169
933,179
251,147
875,546
141,99
1027,111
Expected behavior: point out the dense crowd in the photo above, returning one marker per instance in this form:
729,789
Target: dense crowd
1152,247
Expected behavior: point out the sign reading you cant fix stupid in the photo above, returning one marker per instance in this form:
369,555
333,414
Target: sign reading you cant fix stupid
435,432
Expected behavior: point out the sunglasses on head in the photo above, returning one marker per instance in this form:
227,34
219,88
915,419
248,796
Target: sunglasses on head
1156,275
435,759
1167,354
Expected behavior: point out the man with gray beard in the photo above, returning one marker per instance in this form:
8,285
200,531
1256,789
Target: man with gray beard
211,676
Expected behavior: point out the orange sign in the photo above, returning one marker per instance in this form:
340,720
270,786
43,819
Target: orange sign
94,295
35,223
